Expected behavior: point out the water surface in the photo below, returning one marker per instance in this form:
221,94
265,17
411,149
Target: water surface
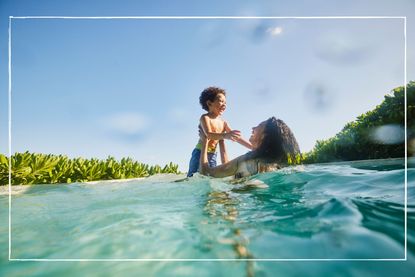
352,210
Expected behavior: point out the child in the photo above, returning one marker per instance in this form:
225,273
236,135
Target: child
213,100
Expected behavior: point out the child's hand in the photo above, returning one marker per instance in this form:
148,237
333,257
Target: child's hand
233,135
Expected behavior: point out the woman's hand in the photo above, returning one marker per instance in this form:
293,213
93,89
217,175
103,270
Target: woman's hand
233,135
203,162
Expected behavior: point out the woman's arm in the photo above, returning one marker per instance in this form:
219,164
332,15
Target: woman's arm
245,143
223,170
223,153
228,134
239,140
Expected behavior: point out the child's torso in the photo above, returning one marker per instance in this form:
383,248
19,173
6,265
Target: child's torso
216,125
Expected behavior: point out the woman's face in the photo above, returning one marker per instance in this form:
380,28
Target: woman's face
257,135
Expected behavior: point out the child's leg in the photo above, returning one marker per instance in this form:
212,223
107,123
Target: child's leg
194,162
212,159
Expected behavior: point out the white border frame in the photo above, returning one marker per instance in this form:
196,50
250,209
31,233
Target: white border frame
204,17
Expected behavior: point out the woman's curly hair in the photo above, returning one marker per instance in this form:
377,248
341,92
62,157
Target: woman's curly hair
210,94
278,143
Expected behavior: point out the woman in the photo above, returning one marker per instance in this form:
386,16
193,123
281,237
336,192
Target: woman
272,143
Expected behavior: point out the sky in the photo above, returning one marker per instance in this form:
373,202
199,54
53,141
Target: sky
130,87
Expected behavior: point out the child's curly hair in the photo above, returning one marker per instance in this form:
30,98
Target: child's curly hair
210,94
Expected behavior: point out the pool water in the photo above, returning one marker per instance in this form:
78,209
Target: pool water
350,210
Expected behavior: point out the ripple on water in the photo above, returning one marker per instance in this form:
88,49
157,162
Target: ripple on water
343,210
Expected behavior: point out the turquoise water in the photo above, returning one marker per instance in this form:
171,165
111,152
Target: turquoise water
331,211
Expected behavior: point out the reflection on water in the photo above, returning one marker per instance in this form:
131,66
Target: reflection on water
223,205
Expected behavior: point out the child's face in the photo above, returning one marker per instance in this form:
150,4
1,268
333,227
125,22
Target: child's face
218,106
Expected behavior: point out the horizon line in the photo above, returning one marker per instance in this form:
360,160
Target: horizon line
207,17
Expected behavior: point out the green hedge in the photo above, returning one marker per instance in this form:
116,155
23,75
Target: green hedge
354,141
33,168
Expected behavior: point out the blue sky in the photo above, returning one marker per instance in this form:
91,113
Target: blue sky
94,88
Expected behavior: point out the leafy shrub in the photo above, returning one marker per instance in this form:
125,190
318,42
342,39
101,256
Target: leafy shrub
354,142
34,168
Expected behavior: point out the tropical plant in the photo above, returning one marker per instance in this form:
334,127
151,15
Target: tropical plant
34,168
355,141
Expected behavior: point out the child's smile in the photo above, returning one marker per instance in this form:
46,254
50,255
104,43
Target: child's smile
218,106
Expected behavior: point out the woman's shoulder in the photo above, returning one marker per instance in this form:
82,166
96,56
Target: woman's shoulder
267,167
249,165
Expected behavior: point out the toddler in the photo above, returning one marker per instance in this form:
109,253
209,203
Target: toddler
213,100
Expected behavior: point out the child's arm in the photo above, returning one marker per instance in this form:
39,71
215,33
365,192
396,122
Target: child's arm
240,140
223,153
205,124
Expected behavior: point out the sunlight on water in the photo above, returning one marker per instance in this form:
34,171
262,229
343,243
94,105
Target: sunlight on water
328,211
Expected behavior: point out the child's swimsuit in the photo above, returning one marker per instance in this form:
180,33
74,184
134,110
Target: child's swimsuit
195,159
